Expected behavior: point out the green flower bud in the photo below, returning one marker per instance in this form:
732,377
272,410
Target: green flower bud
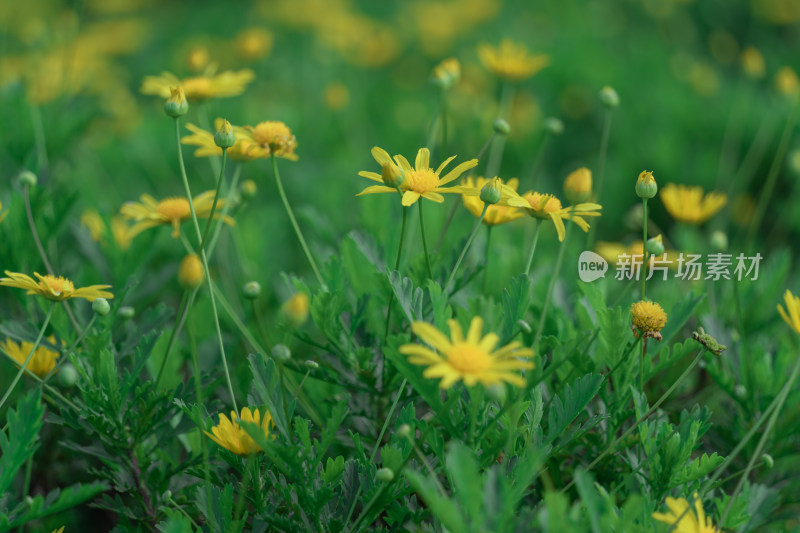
554,126
524,326
501,127
313,365
167,495
251,290
655,245
609,97
176,105
101,306
646,186
224,137
27,178
392,175
497,393
492,191
769,462
404,431
384,475
126,311
68,376
719,241
282,353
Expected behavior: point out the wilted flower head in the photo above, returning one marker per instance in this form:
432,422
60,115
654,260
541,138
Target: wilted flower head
232,436
511,61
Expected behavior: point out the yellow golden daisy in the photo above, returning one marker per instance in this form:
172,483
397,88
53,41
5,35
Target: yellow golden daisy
611,252
686,520
420,180
648,319
792,313
495,214
275,137
120,229
472,359
548,207
150,213
209,85
231,436
43,360
54,288
690,205
244,149
511,61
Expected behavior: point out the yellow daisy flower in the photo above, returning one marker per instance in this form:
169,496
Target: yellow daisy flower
231,436
511,61
548,207
150,213
495,214
472,359
690,205
792,313
611,251
120,229
244,149
54,288
209,85
275,137
648,319
685,520
420,180
43,360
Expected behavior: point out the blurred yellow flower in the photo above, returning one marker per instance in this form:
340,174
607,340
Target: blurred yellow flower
254,43
120,229
43,360
686,520
753,62
336,96
231,436
209,85
150,213
197,58
296,309
786,82
648,319
54,288
690,205
792,313
611,252
191,273
275,137
511,61
472,359
447,73
578,185
420,180
548,207
244,149
495,214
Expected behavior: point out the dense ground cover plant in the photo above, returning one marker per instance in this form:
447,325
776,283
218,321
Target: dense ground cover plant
429,266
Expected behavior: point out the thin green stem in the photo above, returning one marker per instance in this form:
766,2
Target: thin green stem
388,419
537,225
198,392
503,111
225,210
182,308
30,356
643,268
424,239
26,487
184,513
205,263
39,138
396,267
756,455
260,326
443,119
486,258
601,167
295,225
667,393
537,161
553,279
641,365
774,170
204,240
70,349
52,390
466,246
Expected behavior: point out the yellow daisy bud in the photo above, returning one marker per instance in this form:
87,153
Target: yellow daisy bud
578,185
554,126
392,175
384,475
648,319
492,192
176,105
501,127
191,273
786,82
753,62
27,178
609,97
224,137
101,306
446,73
296,309
646,186
251,290
655,246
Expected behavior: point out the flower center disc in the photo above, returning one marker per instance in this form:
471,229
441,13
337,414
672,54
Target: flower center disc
468,359
422,181
56,286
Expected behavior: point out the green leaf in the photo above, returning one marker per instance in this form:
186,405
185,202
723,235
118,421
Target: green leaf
441,311
467,482
55,502
20,443
408,296
575,400
333,469
516,299
700,467
443,508
267,390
